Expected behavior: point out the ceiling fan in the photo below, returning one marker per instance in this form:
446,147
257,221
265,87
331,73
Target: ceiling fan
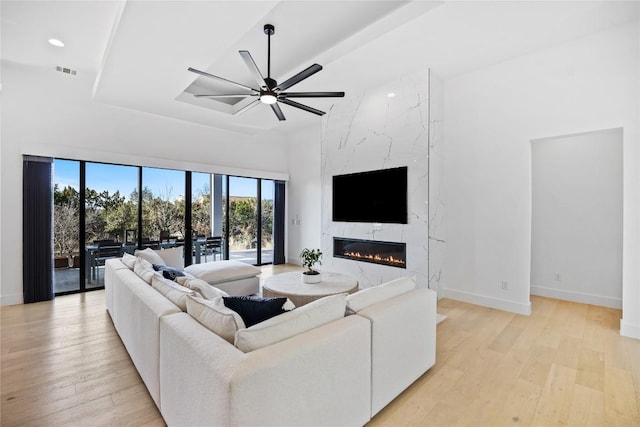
269,91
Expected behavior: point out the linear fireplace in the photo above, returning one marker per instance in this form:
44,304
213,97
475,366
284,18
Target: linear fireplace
373,251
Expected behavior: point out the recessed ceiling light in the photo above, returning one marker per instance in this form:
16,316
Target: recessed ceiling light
56,42
391,95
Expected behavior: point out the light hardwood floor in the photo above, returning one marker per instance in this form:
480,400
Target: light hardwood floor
63,364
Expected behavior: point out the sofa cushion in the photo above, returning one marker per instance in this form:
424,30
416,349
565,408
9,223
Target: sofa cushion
172,291
222,271
129,260
254,310
149,255
173,257
369,296
291,323
144,269
214,316
168,272
200,286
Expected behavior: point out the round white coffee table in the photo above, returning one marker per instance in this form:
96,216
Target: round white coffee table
290,285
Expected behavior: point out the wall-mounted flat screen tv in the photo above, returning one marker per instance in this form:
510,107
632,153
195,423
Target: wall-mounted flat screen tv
372,196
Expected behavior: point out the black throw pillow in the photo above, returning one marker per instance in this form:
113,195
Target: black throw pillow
254,310
168,272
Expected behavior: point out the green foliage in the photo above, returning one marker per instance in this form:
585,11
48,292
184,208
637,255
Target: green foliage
67,195
242,213
310,257
201,214
108,216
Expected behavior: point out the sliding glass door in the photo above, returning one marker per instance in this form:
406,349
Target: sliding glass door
110,217
267,196
163,207
66,226
243,219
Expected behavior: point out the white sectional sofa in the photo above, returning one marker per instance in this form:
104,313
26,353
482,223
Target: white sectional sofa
339,373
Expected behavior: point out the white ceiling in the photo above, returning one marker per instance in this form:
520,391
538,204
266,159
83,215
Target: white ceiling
140,50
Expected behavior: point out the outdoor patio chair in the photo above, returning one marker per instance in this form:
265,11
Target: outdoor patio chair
213,246
104,251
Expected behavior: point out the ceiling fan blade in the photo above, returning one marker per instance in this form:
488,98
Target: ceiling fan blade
308,72
301,106
232,95
311,94
247,107
276,109
202,73
248,59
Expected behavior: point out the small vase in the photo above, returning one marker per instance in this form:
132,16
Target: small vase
311,278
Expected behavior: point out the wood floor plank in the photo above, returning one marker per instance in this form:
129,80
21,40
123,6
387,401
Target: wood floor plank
591,369
557,395
621,398
62,363
587,407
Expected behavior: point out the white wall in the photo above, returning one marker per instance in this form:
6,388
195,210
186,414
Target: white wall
303,195
490,116
50,113
576,231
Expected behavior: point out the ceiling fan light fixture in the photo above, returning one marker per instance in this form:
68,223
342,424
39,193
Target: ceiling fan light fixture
268,98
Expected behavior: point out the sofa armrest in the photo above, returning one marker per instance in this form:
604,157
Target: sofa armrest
403,346
137,309
196,366
110,280
320,377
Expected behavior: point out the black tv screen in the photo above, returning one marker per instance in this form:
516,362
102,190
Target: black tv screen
373,196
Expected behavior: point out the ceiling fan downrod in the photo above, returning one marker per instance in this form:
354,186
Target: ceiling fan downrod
269,30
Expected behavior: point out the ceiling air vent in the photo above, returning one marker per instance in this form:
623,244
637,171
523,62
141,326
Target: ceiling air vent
66,70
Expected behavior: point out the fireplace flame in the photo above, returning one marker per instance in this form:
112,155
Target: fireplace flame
391,260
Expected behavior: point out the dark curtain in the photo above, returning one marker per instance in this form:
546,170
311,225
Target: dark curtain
37,234
278,223
188,230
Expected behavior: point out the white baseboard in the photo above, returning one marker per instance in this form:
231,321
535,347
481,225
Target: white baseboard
492,302
629,329
580,297
13,299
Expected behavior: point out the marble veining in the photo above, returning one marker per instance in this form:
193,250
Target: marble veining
369,132
437,208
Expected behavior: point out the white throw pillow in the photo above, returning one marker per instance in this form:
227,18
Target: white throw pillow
173,257
129,260
222,271
203,288
144,270
150,255
369,296
291,323
172,291
215,316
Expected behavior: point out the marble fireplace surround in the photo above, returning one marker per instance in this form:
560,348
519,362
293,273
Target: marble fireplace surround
374,131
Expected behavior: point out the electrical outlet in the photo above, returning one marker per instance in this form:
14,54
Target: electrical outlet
505,285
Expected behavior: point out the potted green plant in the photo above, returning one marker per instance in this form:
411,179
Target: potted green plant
309,258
